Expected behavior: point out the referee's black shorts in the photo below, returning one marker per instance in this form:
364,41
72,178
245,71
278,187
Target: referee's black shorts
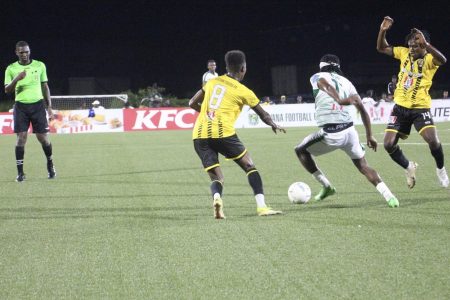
208,149
32,113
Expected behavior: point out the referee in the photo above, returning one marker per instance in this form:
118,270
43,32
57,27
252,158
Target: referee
28,79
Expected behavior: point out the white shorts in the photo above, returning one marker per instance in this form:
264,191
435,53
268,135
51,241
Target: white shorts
323,142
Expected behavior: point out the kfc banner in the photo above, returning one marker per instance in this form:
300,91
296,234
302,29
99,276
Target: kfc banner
159,119
119,120
6,123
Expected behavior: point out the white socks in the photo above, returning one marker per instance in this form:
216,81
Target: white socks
320,177
384,191
260,200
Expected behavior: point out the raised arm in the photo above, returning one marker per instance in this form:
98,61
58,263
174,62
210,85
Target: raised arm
382,44
266,118
438,58
10,88
325,86
196,102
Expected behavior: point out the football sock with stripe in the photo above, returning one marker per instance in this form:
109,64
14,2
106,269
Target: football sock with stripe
20,153
255,181
320,177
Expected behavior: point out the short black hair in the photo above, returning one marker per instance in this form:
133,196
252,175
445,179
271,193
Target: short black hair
211,61
234,60
22,44
412,34
334,64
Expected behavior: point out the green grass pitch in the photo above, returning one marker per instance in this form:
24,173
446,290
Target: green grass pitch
129,216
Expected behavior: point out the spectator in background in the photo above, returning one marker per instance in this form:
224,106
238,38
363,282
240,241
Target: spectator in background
211,73
96,105
383,98
266,101
368,98
283,99
299,99
97,111
445,94
392,85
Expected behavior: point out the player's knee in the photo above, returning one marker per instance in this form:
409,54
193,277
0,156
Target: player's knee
21,141
389,146
434,145
299,150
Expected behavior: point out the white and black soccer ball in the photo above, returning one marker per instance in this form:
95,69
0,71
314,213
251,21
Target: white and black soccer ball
299,193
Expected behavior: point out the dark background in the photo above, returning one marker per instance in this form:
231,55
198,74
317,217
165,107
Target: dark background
169,42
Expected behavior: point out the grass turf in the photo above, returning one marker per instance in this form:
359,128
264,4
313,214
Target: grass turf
129,216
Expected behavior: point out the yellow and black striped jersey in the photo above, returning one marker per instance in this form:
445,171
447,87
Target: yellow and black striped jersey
221,106
414,79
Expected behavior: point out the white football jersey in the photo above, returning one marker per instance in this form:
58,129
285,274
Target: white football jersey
328,111
208,76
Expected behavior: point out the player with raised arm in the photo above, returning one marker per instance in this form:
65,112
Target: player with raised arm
28,79
219,103
333,96
418,64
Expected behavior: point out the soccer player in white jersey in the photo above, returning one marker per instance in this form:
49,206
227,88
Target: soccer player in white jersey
333,96
211,73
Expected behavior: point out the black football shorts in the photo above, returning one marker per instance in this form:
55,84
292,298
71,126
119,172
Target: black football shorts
403,118
208,149
26,114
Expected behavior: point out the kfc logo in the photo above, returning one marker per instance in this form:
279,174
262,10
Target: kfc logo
159,119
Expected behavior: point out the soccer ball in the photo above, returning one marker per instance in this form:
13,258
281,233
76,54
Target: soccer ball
299,193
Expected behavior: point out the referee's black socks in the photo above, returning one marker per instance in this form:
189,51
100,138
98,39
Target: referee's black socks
48,151
20,153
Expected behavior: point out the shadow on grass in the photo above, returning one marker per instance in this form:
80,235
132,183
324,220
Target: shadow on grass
90,176
150,213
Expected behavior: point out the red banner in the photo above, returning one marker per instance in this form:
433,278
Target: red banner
6,123
159,119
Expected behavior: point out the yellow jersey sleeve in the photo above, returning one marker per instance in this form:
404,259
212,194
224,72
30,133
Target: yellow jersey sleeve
250,99
400,53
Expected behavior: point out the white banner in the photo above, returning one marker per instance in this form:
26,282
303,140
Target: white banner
297,115
285,115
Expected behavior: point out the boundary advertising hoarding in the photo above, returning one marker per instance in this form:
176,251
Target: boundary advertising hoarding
120,120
